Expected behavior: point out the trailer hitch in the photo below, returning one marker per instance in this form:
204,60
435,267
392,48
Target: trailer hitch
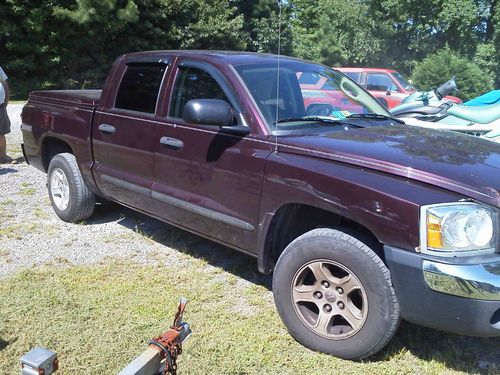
161,355
159,358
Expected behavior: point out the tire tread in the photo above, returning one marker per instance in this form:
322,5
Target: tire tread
84,200
377,261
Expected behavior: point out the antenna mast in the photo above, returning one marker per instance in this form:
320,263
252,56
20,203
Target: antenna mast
278,80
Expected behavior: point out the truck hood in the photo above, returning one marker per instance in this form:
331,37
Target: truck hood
460,163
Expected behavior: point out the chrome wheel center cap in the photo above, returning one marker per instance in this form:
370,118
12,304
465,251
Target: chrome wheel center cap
330,296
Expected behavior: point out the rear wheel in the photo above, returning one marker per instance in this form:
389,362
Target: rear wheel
335,295
71,200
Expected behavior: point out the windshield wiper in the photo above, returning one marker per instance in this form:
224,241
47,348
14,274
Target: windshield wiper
375,116
311,118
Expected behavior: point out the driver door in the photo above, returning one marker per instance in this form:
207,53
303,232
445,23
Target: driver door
207,181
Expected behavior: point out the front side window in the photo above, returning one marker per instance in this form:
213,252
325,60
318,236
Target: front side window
304,89
193,83
140,86
379,82
402,81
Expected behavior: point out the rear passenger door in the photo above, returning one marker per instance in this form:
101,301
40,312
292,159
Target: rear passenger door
122,135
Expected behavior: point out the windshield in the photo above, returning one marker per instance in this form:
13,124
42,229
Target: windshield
306,91
402,80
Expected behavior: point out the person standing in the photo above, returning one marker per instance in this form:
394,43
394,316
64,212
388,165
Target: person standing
4,117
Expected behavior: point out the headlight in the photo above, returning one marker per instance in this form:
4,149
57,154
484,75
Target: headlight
453,229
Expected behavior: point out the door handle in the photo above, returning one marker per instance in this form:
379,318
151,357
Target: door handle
105,128
172,143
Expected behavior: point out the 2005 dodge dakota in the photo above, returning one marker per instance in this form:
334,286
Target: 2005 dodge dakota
362,220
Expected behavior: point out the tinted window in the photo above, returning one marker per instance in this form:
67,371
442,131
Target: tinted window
403,81
139,87
353,75
308,78
193,83
378,82
280,95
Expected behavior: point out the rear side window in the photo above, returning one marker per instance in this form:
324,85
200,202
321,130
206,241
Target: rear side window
139,87
353,75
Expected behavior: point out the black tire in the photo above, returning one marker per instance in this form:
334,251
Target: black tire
81,201
332,247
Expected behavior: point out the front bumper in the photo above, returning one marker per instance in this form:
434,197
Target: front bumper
478,281
454,295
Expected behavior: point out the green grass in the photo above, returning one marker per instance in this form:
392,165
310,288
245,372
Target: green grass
7,202
20,230
4,255
14,149
27,191
99,318
39,213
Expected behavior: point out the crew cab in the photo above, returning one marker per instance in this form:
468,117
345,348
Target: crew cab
361,219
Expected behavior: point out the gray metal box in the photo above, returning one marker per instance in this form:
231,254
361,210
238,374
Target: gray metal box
39,361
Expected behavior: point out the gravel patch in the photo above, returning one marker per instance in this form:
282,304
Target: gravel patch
32,235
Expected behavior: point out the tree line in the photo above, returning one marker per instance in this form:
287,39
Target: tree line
72,43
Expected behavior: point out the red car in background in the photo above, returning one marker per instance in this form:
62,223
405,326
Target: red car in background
321,98
387,85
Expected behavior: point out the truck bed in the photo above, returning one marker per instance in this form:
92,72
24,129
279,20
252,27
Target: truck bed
59,117
81,98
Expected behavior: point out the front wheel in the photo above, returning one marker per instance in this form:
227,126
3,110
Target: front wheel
335,295
71,200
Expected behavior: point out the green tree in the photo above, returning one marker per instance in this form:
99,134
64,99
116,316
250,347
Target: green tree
71,43
68,43
444,64
347,34
262,22
495,35
29,44
304,21
413,29
389,33
486,59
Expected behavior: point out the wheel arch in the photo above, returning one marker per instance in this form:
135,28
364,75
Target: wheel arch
291,220
50,147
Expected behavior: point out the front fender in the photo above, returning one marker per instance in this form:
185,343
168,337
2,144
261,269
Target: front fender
385,204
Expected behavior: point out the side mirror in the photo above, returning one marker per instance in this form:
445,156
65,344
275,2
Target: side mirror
388,92
208,112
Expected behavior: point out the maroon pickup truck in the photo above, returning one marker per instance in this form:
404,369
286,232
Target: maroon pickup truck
361,219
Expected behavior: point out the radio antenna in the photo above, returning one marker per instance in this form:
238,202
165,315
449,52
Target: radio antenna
278,81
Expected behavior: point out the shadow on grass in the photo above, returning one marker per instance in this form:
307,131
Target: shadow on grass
7,170
217,255
3,344
468,354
